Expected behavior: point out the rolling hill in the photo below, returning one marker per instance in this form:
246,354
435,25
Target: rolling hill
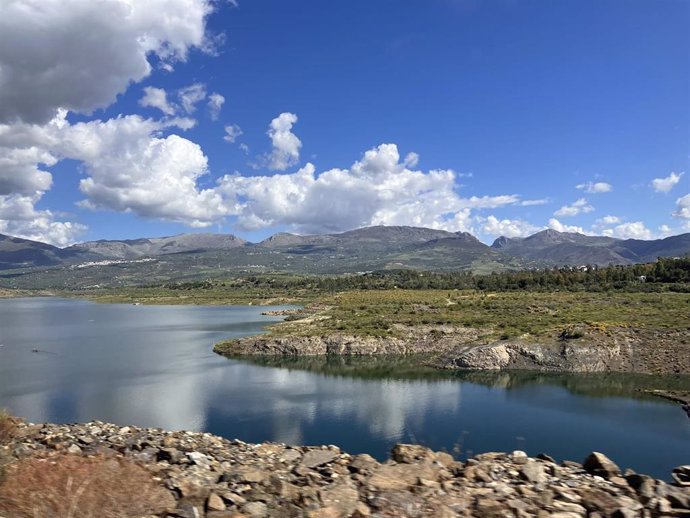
30,264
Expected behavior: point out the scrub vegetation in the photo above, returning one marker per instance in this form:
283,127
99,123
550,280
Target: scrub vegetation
502,314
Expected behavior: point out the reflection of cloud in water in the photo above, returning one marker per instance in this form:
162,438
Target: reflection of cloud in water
388,407
294,399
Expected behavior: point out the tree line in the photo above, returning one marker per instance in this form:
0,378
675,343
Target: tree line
666,274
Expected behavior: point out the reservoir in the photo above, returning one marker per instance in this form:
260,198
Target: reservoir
72,361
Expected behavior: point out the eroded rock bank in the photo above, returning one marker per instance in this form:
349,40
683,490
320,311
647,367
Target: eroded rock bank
610,350
205,475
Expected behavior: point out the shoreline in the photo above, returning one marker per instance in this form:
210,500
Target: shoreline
208,476
621,350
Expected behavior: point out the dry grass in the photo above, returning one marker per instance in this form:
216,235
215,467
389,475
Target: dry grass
72,486
8,427
8,430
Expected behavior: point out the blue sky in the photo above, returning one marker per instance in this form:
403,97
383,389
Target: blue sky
494,117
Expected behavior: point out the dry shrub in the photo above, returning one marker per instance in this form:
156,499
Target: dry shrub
72,486
8,428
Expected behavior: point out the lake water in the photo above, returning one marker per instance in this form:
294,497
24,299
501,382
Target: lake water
153,366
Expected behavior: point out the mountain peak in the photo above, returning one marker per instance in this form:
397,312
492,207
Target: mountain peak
502,242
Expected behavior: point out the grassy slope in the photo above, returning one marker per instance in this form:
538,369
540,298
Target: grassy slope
503,315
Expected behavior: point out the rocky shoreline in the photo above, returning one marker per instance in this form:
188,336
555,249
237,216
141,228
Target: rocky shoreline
613,350
208,476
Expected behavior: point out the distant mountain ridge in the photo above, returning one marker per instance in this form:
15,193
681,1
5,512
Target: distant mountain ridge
194,256
576,249
151,247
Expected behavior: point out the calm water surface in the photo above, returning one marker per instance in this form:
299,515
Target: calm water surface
153,366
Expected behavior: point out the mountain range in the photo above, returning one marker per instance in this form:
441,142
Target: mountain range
25,263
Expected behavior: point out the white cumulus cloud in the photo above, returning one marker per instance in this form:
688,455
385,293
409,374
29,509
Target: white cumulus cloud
580,206
554,224
232,133
633,230
508,227
683,207
378,189
607,221
191,95
595,187
131,168
80,54
19,217
157,98
666,184
285,144
215,104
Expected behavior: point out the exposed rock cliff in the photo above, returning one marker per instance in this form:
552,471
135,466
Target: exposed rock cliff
612,350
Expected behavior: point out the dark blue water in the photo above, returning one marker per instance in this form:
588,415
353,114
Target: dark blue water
153,366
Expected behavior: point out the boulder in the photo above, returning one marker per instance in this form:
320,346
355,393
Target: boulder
344,498
600,465
681,475
315,458
410,453
215,503
533,472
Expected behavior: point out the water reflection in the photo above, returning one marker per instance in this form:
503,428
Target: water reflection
153,366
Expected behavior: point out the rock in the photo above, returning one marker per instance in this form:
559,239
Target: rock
189,490
642,484
519,457
410,453
678,497
252,476
533,472
597,500
188,511
290,456
547,458
233,479
342,497
73,449
361,511
363,463
171,455
255,509
233,498
681,475
567,507
600,465
395,477
198,458
283,488
315,458
215,503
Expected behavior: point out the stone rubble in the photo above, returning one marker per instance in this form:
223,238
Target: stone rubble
213,477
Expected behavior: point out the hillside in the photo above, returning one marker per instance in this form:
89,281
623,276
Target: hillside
561,248
136,248
23,253
29,264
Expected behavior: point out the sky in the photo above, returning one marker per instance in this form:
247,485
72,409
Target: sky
122,119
